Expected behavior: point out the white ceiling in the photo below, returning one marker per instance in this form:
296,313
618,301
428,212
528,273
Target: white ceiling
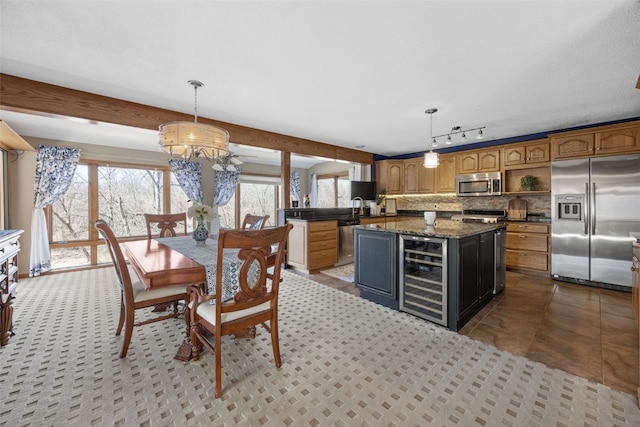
358,74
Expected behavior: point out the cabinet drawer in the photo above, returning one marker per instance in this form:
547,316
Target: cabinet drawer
322,245
323,226
318,236
322,258
528,260
528,241
527,228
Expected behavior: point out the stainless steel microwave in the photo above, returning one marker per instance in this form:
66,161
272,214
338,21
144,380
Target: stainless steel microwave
479,184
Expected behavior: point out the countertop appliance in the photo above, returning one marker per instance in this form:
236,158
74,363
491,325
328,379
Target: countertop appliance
479,184
595,205
423,277
345,239
480,216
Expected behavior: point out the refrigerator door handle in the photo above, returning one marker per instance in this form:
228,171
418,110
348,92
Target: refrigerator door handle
593,210
587,208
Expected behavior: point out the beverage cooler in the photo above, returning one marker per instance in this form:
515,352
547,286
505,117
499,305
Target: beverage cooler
423,277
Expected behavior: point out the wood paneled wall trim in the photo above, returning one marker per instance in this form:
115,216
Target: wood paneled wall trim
30,96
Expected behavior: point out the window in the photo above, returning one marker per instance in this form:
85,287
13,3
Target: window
119,194
255,194
334,191
258,199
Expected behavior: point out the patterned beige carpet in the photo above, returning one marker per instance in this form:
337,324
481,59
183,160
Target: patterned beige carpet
346,362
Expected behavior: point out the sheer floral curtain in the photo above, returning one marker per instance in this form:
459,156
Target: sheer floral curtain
295,190
55,169
189,176
225,186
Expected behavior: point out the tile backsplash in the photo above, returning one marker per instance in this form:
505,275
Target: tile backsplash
535,204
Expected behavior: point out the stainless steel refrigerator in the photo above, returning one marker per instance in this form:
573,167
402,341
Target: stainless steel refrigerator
595,205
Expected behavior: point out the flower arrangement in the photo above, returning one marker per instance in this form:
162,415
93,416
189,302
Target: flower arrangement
201,212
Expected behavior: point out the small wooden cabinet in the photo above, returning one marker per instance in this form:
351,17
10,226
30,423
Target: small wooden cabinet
573,146
417,178
390,176
446,174
526,154
604,141
312,245
528,247
475,161
9,248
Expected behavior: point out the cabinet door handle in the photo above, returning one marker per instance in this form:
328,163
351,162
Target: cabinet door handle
523,236
523,255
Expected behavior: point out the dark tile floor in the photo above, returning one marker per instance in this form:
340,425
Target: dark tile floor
589,332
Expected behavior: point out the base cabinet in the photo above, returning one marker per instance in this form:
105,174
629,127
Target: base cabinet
376,271
9,248
475,267
312,245
443,280
528,247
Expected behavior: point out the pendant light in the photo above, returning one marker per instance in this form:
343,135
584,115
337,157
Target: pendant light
193,139
430,158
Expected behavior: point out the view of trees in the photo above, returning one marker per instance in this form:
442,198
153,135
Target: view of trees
122,195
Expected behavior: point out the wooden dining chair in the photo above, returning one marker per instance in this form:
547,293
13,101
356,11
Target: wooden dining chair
255,301
165,225
254,222
133,295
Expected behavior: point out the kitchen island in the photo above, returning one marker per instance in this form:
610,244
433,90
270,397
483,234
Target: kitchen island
443,273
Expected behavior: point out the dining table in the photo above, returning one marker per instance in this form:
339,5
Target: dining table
172,261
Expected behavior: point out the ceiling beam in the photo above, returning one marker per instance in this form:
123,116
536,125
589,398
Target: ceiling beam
31,96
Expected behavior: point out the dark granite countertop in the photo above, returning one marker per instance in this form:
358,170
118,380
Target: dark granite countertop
443,228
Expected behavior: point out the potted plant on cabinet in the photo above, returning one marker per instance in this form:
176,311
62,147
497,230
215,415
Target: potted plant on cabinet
528,183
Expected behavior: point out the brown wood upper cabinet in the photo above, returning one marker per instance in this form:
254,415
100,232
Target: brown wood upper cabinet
604,141
527,153
474,161
417,178
446,174
390,176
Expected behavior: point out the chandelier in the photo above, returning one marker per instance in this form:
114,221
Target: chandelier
193,139
430,158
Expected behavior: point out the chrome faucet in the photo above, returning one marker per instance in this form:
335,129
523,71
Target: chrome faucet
353,208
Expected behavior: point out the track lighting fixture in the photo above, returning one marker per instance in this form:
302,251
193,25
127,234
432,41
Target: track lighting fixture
463,134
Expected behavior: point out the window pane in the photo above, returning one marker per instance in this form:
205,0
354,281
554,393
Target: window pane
125,195
71,213
179,200
344,191
326,193
228,213
258,199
